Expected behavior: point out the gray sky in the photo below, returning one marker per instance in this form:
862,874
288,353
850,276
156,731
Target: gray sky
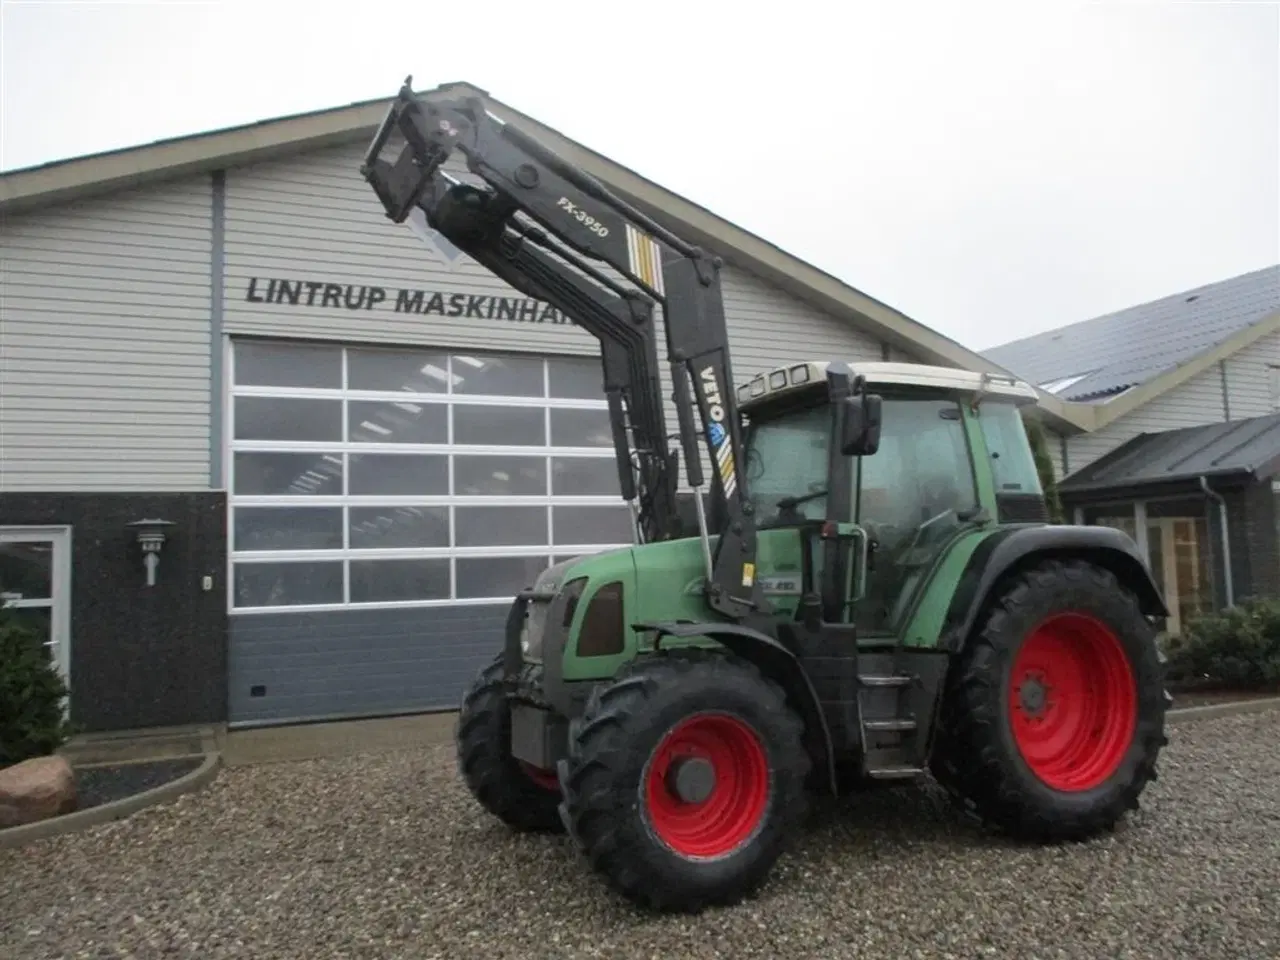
992,170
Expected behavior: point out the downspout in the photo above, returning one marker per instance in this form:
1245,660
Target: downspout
1227,582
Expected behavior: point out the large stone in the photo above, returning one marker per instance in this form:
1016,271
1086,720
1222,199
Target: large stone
36,790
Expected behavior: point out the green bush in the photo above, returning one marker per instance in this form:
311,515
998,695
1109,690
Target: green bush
1237,648
32,722
1044,466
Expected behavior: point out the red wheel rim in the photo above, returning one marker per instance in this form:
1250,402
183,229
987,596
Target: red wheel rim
546,779
732,811
1073,702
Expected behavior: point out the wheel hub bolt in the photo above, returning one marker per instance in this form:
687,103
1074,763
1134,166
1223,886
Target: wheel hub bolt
691,779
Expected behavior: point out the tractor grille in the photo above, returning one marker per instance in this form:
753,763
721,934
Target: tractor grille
1021,508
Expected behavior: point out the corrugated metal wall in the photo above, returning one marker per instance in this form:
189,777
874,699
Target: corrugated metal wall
104,343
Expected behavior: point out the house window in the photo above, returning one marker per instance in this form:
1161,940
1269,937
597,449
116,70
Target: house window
1274,372
372,476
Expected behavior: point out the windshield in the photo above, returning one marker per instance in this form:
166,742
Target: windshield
787,457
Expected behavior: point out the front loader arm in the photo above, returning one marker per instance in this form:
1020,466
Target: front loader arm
525,178
475,222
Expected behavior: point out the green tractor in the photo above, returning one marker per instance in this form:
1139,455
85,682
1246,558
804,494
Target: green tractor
869,593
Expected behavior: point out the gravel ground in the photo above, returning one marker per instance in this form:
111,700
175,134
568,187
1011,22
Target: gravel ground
385,856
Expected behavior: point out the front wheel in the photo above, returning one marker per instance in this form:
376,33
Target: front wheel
522,796
1054,713
685,780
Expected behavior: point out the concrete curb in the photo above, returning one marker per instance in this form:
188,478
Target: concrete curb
116,809
1231,708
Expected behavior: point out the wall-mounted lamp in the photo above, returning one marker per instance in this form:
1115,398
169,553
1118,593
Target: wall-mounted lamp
151,538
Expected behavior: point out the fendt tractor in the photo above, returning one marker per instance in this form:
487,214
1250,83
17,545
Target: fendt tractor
867,591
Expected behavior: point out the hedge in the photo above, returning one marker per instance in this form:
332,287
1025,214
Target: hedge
1237,648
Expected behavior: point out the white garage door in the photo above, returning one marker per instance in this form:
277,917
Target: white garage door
386,504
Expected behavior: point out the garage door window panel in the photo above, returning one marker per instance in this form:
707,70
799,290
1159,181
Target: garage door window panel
378,370
288,584
498,376
298,365
260,473
500,526
575,378
398,475
585,477
591,524
499,425
413,476
580,428
497,578
398,528
286,529
400,580
499,475
397,422
288,419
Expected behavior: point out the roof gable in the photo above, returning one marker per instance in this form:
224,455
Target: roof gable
1094,360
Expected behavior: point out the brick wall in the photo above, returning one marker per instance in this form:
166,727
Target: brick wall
1256,541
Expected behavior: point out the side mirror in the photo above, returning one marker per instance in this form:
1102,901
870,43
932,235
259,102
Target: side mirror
861,435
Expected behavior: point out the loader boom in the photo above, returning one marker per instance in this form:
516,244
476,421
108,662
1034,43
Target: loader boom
527,189
621,318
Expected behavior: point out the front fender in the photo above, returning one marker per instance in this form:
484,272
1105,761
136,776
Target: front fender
1015,548
775,661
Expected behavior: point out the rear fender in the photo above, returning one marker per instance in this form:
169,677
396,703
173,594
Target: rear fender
1011,550
776,662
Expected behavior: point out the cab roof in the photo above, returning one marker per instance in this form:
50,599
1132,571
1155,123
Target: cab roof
800,376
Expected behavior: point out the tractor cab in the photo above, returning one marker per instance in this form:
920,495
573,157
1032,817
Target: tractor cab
951,454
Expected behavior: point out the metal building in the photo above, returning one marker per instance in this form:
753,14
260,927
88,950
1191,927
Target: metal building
360,442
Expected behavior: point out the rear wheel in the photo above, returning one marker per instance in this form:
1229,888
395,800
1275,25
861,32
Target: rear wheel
1054,714
522,796
685,780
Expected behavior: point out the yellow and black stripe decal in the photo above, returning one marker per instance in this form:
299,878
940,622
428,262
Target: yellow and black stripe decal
646,258
724,459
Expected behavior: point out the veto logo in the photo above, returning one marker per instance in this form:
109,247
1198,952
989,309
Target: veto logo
717,432
711,388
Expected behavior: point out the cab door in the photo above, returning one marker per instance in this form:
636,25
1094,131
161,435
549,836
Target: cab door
912,497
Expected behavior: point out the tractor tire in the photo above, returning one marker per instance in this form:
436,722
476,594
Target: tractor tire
523,797
705,836
1053,716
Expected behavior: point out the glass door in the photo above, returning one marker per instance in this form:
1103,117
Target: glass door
35,583
1181,558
